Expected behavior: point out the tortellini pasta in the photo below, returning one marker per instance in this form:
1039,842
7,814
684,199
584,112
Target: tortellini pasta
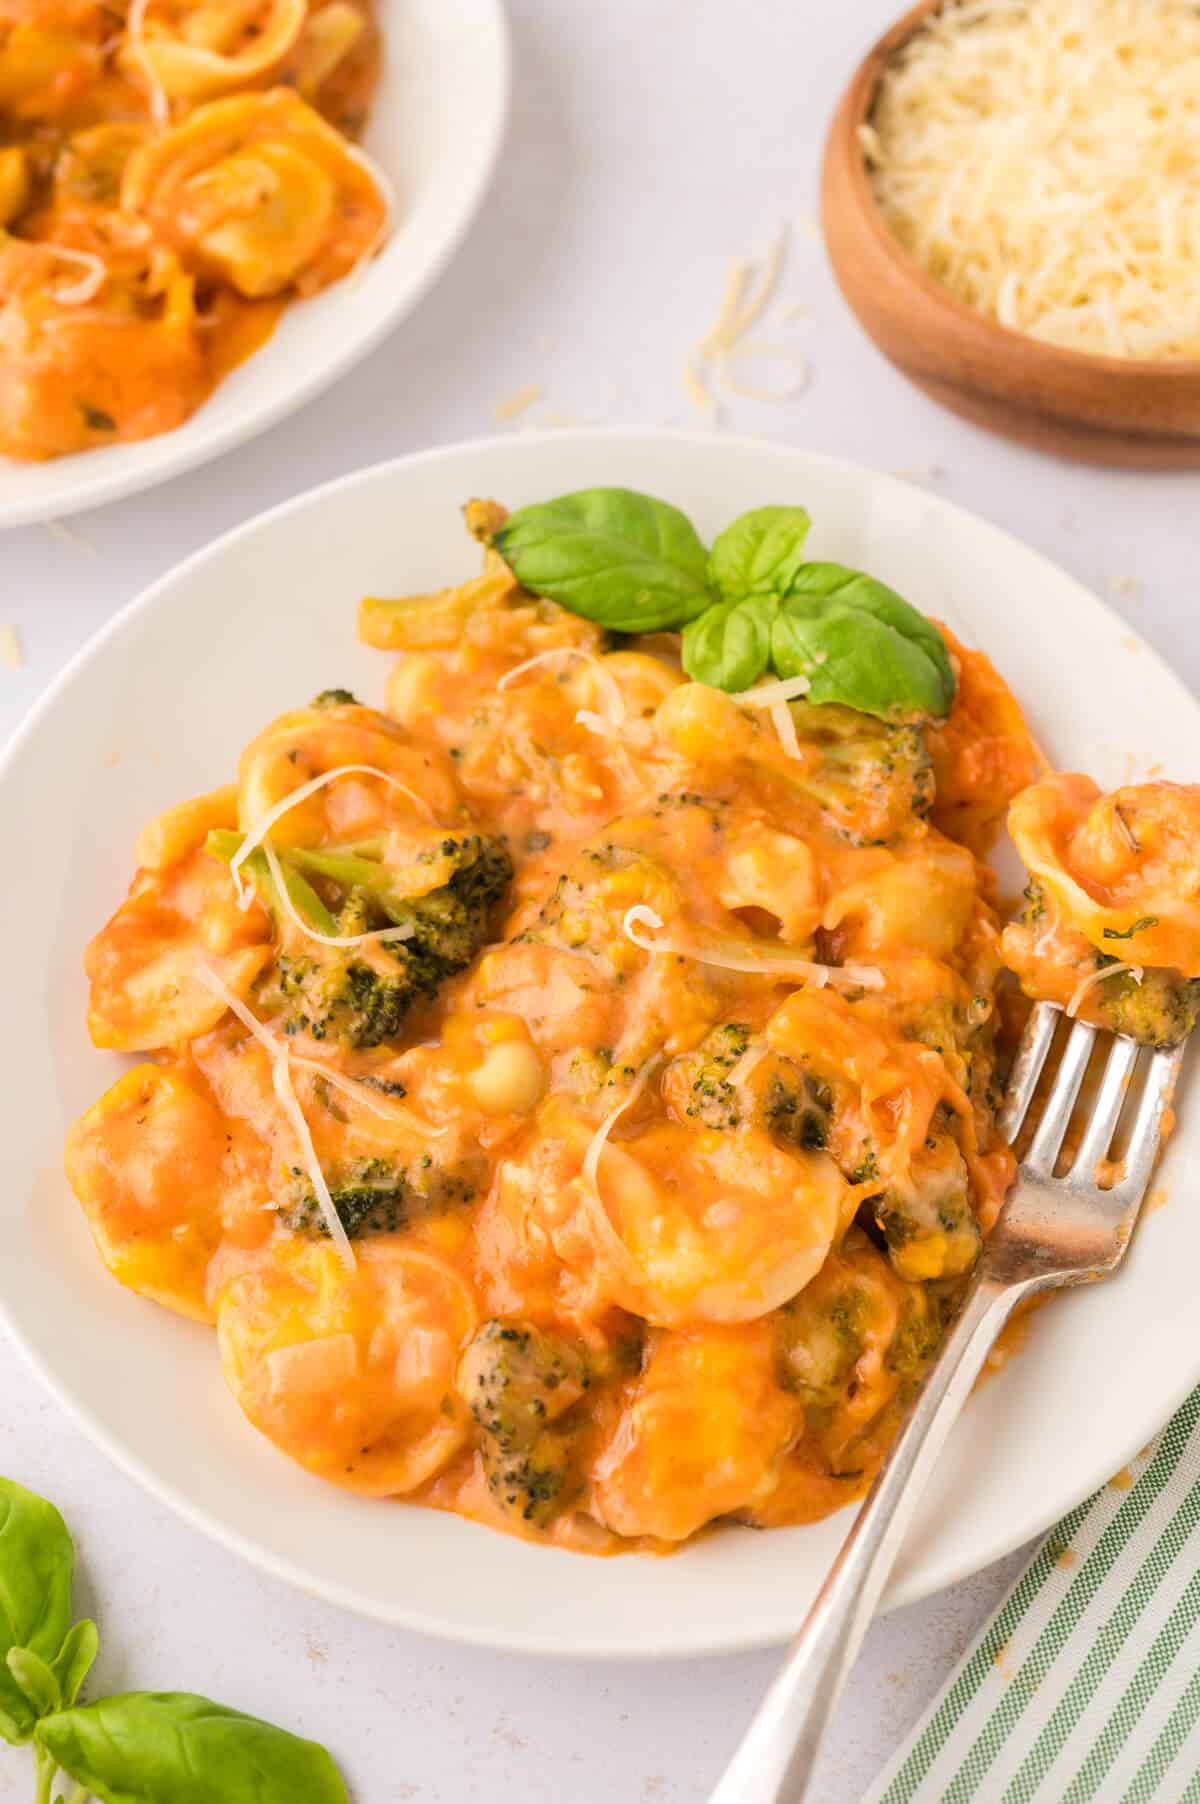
1122,868
194,51
259,192
351,1373
172,174
577,1106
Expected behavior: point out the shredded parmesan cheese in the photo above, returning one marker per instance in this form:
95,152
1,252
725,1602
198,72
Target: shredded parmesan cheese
750,1060
290,1104
614,700
261,828
362,1094
1081,989
743,305
591,1159
1042,159
312,933
77,294
765,695
785,726
765,961
135,27
517,404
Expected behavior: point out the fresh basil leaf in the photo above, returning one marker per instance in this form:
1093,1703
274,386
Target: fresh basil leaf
861,644
624,560
760,554
169,1747
36,1680
74,1659
729,646
37,1565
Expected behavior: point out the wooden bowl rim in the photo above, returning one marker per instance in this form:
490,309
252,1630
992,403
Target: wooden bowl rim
852,112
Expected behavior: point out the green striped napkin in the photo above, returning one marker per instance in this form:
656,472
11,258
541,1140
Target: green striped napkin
1085,1686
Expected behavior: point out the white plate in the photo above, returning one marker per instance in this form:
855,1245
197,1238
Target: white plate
435,129
157,709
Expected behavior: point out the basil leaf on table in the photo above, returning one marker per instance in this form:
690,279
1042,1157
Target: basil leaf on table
74,1660
729,646
760,554
37,1565
624,560
35,1679
861,644
170,1747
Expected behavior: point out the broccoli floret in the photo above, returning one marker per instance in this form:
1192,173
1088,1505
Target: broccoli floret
1160,1011
927,1222
519,1380
712,1099
376,1197
797,1107
360,997
335,698
871,778
820,1336
786,1101
822,1333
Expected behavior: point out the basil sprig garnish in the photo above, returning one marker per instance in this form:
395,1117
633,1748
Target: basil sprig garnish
624,560
152,1747
751,607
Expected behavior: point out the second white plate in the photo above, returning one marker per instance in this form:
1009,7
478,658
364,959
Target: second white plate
435,129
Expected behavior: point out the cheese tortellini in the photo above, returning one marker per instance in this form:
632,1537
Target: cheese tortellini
260,192
194,51
1123,868
172,174
351,1373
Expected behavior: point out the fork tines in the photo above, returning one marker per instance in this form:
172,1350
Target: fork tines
1115,1090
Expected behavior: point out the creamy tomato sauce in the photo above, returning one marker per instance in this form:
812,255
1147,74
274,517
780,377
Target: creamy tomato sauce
663,1185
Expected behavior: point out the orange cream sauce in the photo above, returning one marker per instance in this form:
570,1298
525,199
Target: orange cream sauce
156,222
715,1308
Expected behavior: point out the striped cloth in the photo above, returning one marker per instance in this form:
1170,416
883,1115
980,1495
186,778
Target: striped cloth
1085,1686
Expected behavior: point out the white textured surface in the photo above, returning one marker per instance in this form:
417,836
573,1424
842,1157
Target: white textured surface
652,140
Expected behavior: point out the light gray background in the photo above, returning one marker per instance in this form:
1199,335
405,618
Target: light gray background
651,142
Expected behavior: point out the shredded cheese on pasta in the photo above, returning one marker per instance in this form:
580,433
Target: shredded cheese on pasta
614,700
396,932
764,961
289,1102
1081,989
765,695
1042,159
257,834
160,105
750,1060
590,1171
77,294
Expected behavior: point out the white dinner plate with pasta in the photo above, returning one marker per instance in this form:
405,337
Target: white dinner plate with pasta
567,1084
213,211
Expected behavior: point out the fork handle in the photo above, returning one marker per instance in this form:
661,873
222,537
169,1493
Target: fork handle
775,1759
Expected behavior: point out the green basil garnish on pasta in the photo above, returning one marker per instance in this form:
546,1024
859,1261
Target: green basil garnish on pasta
751,608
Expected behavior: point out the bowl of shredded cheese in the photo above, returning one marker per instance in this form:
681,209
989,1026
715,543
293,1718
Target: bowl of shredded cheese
1012,210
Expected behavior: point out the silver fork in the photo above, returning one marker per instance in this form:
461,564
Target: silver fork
1052,1231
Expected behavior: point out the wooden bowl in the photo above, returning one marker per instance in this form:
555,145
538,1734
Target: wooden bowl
1105,410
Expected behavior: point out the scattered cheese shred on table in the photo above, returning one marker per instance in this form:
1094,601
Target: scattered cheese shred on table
10,647
749,292
1042,159
519,403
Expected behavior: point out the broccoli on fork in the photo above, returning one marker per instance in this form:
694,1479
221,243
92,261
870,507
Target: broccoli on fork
359,996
